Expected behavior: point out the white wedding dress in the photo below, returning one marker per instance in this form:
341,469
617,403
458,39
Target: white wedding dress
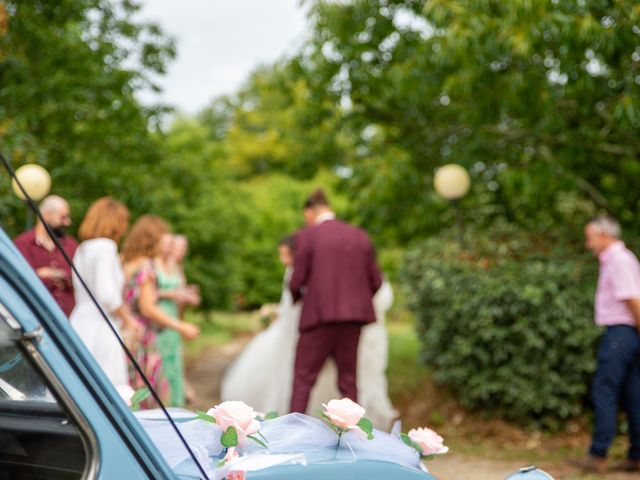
262,375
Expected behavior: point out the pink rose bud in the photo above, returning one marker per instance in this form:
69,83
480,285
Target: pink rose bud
344,413
429,441
233,475
238,415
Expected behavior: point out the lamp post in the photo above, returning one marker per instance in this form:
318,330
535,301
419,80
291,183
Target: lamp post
36,182
452,182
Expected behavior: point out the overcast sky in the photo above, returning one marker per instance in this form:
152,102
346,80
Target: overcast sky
220,42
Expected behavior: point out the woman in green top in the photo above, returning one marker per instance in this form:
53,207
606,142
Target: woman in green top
173,295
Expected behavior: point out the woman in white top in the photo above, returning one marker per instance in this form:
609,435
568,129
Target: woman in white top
98,263
262,376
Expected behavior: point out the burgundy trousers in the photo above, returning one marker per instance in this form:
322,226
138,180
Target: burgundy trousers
337,340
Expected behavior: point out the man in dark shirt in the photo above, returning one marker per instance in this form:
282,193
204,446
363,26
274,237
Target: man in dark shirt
40,251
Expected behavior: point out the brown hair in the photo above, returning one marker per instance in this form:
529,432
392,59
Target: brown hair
106,217
316,199
288,241
144,238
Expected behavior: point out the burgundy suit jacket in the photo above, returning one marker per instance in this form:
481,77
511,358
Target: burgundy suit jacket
335,273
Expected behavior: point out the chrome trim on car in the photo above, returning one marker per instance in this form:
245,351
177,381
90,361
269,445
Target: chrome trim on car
84,428
7,317
34,335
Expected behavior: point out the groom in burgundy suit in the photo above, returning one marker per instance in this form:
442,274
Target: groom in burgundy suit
335,274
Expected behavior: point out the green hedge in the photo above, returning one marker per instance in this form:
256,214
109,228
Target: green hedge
508,328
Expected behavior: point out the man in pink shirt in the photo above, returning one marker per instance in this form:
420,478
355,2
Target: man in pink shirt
617,377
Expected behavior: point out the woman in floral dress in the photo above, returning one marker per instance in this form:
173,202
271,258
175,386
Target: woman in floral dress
138,251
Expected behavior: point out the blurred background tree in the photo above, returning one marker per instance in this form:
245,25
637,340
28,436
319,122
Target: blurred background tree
538,99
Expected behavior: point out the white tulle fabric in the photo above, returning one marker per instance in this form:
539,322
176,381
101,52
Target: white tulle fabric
262,375
293,438
301,433
202,437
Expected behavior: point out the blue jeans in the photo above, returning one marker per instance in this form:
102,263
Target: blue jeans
616,382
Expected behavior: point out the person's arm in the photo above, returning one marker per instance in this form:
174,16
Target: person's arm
149,309
626,283
50,273
375,277
108,291
177,295
129,323
634,306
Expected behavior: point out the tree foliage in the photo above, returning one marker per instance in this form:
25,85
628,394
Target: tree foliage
281,122
538,98
69,72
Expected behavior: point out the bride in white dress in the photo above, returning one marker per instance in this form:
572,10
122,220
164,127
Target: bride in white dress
262,375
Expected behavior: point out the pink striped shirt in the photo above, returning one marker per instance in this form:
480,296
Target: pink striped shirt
619,280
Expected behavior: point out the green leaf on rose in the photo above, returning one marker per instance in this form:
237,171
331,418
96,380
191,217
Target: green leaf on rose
200,415
268,416
137,398
229,438
367,427
325,418
405,438
263,437
258,441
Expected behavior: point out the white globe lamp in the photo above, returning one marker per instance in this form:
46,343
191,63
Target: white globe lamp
34,179
452,181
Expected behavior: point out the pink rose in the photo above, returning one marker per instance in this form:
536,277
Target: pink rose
429,441
238,415
344,413
126,393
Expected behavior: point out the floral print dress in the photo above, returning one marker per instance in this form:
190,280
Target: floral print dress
145,351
